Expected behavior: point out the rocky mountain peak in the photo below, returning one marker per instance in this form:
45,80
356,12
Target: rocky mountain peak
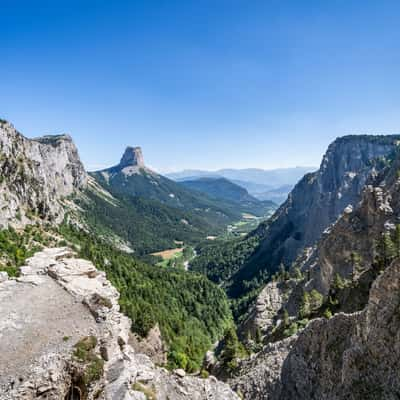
132,157
38,174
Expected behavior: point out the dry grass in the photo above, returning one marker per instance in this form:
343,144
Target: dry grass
248,216
167,254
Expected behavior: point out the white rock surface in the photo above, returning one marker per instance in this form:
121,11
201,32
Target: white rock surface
37,174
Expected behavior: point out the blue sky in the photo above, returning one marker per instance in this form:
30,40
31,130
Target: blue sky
203,83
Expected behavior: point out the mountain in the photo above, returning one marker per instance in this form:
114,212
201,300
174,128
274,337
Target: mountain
271,178
133,179
256,181
251,187
278,195
340,302
36,175
151,212
315,203
223,189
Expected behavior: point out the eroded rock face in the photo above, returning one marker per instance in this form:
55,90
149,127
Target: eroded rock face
131,163
54,373
132,157
263,313
36,174
350,356
152,345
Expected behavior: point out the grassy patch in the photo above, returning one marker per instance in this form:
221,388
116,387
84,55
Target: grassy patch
149,393
94,365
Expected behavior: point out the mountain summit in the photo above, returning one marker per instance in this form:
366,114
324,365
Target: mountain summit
132,157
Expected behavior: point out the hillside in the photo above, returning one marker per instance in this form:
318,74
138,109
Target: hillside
278,195
223,189
152,212
272,178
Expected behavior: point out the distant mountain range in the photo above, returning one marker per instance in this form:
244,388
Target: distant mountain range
224,189
274,184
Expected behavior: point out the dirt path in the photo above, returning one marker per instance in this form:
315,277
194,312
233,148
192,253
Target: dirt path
35,320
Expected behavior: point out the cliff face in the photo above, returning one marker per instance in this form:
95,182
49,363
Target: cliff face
353,354
133,157
317,201
36,174
350,356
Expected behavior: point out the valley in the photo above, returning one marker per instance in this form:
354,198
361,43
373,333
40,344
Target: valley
208,279
199,200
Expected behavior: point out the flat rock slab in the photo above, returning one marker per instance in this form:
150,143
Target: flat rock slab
35,320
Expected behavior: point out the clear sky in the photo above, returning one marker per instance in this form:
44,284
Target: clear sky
201,83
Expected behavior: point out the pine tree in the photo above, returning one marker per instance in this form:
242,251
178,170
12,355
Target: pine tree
356,264
386,250
232,348
397,240
297,275
316,300
258,337
305,307
286,320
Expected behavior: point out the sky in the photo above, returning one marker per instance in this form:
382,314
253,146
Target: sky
202,84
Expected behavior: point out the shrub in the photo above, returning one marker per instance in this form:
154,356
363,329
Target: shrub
94,365
204,374
84,347
293,328
149,393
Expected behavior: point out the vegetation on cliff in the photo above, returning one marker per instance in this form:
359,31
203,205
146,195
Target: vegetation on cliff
191,311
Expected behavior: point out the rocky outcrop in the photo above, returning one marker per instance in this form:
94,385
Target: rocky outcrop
263,314
350,356
131,163
152,345
36,174
316,202
132,157
88,316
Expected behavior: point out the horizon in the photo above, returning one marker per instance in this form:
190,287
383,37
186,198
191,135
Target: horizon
201,85
100,166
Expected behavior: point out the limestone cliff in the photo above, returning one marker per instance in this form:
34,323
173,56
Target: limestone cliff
353,354
316,202
35,175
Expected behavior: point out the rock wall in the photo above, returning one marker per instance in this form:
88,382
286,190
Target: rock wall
36,174
350,356
317,201
354,354
262,314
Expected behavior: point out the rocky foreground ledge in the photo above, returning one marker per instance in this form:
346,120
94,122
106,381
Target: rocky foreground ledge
62,336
